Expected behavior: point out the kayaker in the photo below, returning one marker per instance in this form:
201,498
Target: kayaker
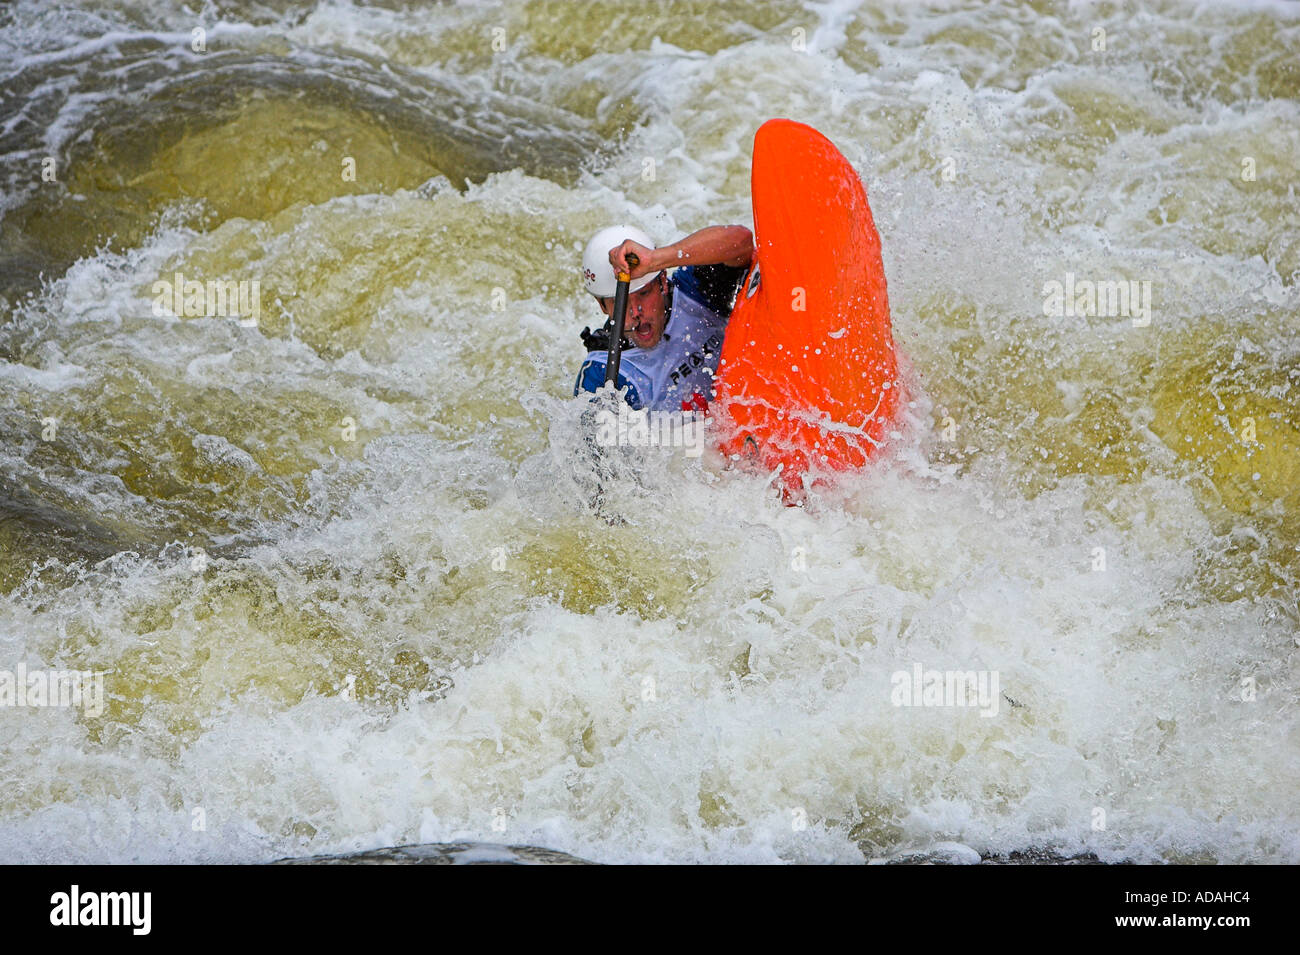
674,325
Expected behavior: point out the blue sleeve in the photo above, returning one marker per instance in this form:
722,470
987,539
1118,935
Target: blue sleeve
591,377
714,285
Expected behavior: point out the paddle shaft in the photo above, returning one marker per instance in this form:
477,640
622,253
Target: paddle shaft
620,313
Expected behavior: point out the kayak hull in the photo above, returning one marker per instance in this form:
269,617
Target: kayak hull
808,378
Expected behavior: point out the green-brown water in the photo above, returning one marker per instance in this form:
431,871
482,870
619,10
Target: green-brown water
335,566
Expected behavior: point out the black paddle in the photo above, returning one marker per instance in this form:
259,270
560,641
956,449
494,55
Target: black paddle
601,466
620,312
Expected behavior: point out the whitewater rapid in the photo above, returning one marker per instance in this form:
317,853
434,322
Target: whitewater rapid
335,565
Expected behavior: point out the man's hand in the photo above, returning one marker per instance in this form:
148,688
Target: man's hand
645,257
713,245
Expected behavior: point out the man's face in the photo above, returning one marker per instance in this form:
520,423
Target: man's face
644,321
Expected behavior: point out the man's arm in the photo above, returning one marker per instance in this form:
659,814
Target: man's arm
731,245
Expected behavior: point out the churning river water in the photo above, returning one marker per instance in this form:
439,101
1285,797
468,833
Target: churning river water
327,549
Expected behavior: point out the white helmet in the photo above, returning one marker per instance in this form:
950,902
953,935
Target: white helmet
598,274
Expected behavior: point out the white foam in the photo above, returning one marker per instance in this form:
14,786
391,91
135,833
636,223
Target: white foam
768,634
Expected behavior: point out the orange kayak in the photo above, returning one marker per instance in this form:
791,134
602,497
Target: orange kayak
808,379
